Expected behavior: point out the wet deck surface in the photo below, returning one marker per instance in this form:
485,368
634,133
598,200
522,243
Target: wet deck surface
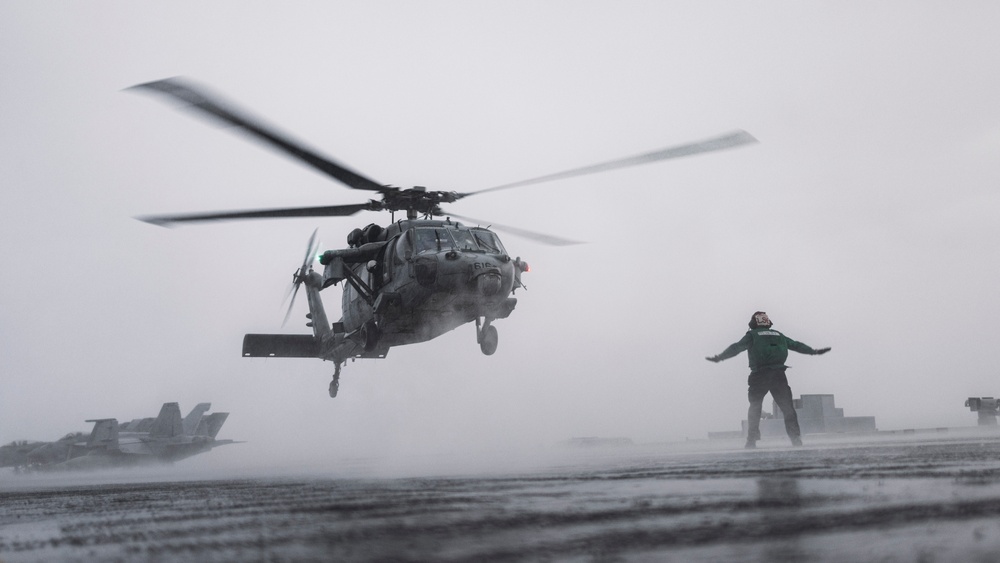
913,500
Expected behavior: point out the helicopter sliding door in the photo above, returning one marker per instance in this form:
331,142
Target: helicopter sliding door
356,308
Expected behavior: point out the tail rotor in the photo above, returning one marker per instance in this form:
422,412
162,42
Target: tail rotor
300,275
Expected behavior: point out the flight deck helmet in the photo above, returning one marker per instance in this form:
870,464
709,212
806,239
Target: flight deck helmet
760,320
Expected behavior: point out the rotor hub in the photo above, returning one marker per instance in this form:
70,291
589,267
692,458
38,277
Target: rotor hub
415,201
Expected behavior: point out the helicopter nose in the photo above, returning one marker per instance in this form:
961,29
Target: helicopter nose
489,284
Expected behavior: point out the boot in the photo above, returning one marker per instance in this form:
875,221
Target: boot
751,445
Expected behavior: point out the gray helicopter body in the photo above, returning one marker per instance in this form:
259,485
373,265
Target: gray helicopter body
427,279
407,283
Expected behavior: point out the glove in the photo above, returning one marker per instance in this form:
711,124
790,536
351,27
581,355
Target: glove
715,359
822,351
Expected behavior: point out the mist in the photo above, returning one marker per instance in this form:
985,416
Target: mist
862,220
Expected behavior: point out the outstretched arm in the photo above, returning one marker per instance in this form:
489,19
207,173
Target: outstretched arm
804,349
732,349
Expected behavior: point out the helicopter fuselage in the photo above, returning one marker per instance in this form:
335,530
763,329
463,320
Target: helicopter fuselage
411,282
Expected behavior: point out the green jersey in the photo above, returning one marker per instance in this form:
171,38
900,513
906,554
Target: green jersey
765,347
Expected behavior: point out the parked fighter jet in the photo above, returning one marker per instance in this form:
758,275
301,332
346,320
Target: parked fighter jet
164,439
15,454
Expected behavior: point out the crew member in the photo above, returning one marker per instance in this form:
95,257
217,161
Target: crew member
767,350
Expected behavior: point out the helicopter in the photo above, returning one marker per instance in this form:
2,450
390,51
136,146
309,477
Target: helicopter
407,282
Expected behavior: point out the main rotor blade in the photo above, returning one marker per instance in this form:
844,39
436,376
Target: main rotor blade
214,106
538,237
327,211
730,140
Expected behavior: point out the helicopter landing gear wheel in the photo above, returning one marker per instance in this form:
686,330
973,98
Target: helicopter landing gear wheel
488,340
370,335
486,336
335,384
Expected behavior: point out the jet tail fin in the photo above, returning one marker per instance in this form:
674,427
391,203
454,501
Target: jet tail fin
104,434
169,423
214,422
194,417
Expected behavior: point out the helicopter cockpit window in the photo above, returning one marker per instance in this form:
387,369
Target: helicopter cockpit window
430,240
488,242
464,240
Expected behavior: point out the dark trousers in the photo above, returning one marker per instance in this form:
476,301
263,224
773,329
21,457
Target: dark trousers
773,381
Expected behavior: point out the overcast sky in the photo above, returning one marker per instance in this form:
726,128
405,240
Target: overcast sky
865,219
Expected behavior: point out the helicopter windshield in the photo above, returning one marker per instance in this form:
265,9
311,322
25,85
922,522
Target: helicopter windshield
464,240
488,241
476,240
428,240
